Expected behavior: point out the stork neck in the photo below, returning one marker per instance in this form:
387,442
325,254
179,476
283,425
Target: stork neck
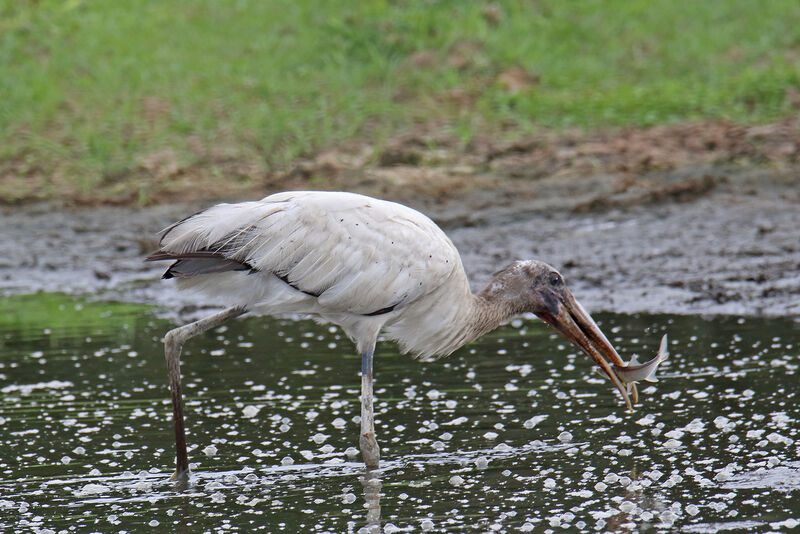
441,323
487,314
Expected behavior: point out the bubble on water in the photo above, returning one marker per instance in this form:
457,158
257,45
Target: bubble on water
648,419
319,438
655,475
695,427
92,489
723,475
79,450
351,452
339,423
600,486
327,448
490,435
65,459
348,498
210,450
26,389
481,462
456,480
251,411
549,483
565,437
287,460
626,506
672,444
433,394
787,523
450,404
668,516
213,485
721,422
533,421
774,437
218,497
717,506
438,445
153,523
457,421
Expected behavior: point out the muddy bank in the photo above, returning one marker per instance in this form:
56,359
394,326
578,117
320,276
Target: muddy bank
430,160
696,240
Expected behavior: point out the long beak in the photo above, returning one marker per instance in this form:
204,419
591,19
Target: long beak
571,321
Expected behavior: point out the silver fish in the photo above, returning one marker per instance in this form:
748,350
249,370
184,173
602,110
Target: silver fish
635,372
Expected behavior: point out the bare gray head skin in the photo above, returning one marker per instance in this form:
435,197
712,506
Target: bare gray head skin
534,286
527,286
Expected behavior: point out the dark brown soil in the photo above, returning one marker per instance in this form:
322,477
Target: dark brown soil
430,163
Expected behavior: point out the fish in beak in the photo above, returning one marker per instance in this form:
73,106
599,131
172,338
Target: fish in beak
534,286
567,317
634,371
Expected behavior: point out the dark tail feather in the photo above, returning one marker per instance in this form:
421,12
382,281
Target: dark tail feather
190,264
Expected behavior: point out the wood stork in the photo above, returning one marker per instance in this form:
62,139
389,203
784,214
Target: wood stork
364,264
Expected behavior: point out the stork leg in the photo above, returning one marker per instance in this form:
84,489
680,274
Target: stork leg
173,343
369,445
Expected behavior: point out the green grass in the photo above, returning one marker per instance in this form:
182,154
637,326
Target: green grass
91,89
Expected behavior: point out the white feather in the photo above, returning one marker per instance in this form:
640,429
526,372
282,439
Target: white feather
358,254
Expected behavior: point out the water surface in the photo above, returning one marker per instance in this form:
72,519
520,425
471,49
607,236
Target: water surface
513,432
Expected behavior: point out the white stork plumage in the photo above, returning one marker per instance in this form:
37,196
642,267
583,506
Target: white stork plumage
366,265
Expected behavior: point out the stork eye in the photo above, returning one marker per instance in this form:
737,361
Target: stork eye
556,280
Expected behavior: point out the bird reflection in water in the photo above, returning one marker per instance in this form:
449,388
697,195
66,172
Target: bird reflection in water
371,482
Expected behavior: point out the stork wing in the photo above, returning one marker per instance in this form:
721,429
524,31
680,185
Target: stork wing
356,254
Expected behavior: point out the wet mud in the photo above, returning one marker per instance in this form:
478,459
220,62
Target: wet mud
703,239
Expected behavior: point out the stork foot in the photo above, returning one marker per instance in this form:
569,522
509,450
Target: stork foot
370,451
179,475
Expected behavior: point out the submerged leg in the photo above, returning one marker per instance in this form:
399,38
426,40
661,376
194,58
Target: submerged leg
173,343
367,441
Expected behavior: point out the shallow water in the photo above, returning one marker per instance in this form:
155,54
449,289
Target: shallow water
514,432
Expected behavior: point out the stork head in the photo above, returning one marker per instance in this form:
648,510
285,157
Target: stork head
534,286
